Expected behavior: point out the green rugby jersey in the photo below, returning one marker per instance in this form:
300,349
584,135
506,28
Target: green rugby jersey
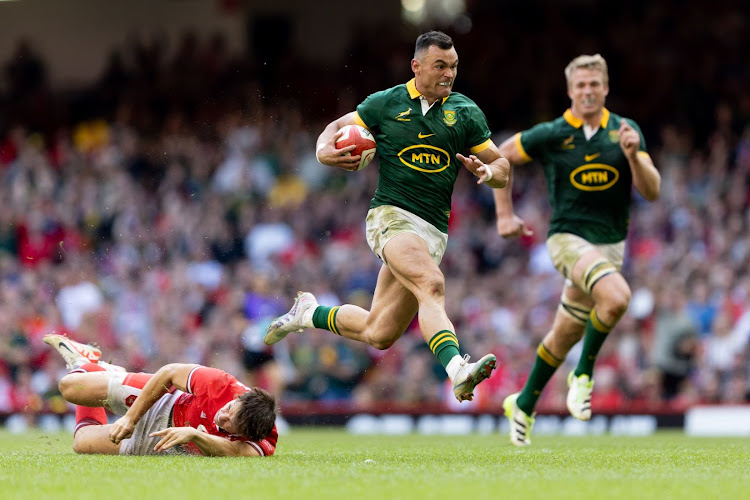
588,181
418,165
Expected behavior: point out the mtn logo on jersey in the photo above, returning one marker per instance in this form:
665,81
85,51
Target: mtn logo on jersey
594,177
425,158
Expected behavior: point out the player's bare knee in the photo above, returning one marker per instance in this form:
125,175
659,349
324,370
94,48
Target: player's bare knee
433,284
381,344
616,304
78,447
81,442
66,385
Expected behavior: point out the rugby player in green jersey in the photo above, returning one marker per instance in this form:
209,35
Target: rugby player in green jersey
591,160
422,129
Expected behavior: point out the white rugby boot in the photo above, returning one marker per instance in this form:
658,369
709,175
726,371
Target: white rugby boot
469,375
74,353
579,396
520,422
297,319
77,354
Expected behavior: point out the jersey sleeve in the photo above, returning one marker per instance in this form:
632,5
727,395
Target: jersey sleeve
531,143
642,151
637,128
369,110
205,381
478,136
265,447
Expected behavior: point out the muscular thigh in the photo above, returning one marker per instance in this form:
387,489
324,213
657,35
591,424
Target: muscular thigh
123,389
582,262
410,263
393,308
86,389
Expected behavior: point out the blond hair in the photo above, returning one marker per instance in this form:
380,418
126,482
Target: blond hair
587,62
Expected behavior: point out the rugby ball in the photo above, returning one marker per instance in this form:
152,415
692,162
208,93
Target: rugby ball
363,140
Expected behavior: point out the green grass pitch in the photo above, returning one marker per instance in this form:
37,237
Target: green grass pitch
331,464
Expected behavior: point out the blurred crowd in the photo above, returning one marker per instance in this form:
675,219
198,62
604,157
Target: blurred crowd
168,211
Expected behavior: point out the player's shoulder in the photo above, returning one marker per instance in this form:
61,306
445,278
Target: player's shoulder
556,127
457,99
399,91
615,120
206,373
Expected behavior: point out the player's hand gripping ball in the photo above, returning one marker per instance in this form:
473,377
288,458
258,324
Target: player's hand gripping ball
362,139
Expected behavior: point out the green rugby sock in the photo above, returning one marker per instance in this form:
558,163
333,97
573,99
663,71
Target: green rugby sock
444,345
544,367
596,334
325,318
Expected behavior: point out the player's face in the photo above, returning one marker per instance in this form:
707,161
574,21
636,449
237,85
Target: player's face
435,71
587,91
224,418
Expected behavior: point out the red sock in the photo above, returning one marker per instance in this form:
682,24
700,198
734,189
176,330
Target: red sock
137,380
86,415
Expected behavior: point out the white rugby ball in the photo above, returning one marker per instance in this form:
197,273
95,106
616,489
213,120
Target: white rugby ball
363,140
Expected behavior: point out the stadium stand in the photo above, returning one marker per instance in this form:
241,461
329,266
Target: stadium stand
169,210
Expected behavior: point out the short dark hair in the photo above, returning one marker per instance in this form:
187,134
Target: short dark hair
438,38
257,414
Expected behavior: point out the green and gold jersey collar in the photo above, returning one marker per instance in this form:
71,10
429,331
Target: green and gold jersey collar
411,86
577,122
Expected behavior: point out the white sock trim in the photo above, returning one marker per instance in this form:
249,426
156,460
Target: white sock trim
453,366
307,317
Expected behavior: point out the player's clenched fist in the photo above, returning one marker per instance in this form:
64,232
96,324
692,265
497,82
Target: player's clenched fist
122,429
630,141
512,227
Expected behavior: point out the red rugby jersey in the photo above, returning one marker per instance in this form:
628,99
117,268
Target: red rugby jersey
209,390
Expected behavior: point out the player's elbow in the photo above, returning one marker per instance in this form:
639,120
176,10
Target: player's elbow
652,196
501,180
651,193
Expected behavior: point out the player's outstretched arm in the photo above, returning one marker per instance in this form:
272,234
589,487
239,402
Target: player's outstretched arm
211,446
325,146
509,225
175,374
646,178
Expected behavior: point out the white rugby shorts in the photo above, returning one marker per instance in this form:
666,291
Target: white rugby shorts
386,221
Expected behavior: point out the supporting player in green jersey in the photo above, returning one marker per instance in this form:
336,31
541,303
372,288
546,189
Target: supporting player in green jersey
591,160
422,130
